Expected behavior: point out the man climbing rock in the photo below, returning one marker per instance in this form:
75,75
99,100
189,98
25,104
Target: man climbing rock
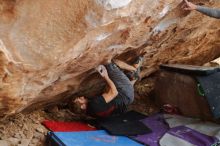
215,13
119,94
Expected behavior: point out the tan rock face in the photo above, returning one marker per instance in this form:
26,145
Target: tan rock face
48,48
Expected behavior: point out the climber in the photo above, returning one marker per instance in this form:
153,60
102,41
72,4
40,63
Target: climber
205,10
119,94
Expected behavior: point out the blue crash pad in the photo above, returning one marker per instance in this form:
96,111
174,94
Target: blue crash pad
88,138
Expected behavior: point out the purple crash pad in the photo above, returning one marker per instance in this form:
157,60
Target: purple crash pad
158,126
192,136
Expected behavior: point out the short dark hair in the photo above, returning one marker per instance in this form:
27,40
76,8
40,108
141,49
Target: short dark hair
76,108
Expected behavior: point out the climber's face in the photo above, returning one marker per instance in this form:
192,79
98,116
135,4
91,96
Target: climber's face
82,102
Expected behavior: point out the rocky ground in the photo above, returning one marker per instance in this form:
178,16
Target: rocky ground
25,129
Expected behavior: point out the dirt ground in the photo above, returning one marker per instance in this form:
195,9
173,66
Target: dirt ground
27,130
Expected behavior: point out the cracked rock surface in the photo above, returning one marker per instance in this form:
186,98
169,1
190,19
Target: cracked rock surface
48,48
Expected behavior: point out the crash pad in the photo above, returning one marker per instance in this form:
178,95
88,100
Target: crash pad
67,126
126,124
186,136
128,117
190,69
88,138
211,87
126,128
158,126
185,131
175,130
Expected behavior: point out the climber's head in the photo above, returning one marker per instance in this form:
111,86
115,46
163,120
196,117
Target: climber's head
80,104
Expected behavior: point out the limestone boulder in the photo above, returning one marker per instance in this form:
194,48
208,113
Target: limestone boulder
49,49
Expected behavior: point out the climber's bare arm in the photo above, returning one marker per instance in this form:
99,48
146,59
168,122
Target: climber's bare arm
124,65
112,92
215,13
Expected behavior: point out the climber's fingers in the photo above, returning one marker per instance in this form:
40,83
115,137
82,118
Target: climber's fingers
102,70
187,9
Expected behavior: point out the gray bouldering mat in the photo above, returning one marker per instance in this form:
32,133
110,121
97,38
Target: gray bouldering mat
190,69
211,87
